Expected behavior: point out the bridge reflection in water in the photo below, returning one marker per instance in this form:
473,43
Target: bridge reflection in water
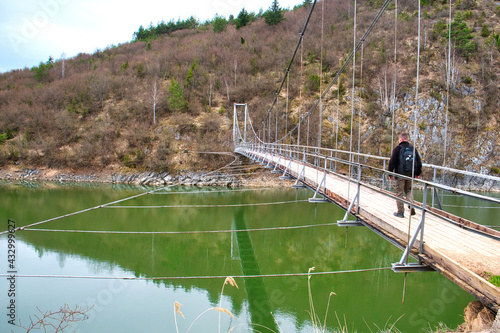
258,298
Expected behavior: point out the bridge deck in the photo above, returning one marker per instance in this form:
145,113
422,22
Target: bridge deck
458,253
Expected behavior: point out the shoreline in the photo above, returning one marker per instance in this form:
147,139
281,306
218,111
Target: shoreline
259,177
145,178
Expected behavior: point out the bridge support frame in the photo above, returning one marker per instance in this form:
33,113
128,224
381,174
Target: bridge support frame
403,266
285,173
436,200
435,195
347,224
276,170
315,198
357,223
410,268
298,183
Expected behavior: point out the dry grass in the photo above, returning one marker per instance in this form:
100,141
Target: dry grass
226,311
319,327
177,307
229,280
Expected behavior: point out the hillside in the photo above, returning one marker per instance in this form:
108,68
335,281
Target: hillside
103,115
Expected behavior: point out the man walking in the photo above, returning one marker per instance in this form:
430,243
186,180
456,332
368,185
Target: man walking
405,160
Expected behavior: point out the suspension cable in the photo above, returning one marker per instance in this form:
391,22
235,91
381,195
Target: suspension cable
337,125
300,90
287,99
220,191
360,97
343,68
321,72
207,206
90,209
448,77
291,60
276,131
205,277
393,93
415,129
352,101
182,232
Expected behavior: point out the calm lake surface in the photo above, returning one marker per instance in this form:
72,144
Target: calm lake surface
364,301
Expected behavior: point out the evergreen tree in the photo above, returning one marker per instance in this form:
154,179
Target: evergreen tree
190,75
243,19
461,34
274,14
42,71
191,23
485,32
141,34
161,28
176,101
219,23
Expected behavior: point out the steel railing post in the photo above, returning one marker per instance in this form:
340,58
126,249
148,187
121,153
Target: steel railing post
434,190
359,190
384,180
424,209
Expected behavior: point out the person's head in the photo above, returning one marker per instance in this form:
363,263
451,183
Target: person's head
404,137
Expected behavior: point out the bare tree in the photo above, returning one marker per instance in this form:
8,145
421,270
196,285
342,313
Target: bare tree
63,58
227,89
155,98
235,68
210,94
383,91
100,84
451,67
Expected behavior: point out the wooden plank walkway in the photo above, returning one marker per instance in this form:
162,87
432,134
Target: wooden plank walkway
461,255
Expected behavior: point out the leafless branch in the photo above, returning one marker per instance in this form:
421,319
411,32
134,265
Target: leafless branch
58,320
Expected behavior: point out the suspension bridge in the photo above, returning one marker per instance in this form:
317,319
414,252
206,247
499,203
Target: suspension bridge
433,239
461,250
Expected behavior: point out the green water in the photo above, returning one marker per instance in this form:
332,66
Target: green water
363,300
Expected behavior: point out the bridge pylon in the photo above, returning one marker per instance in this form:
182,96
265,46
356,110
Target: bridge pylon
236,130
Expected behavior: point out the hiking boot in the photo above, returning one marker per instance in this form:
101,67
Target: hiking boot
399,214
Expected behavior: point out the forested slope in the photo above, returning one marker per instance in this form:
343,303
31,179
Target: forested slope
104,115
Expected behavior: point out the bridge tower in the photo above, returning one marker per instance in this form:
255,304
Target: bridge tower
236,132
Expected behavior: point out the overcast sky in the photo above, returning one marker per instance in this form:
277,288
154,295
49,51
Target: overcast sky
33,30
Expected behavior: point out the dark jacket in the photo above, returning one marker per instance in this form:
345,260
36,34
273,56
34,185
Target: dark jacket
394,161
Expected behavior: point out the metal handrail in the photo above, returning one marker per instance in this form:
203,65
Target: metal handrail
315,152
382,158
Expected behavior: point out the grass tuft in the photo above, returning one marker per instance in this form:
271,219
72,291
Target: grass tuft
177,307
226,311
231,281
495,279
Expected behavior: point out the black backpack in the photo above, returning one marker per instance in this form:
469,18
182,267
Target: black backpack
406,161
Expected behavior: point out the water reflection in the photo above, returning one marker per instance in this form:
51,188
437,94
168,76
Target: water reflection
374,297
258,299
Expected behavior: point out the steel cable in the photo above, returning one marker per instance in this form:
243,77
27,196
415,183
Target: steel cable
196,277
182,232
